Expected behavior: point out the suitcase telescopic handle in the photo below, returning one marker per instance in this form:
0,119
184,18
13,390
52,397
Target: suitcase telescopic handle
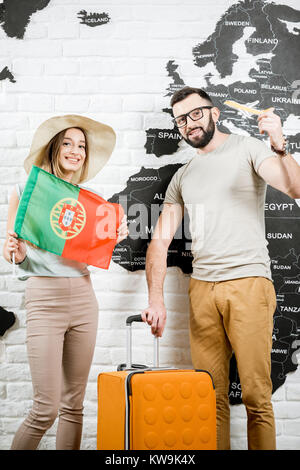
129,321
133,318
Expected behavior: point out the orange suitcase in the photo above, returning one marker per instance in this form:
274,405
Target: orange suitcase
143,408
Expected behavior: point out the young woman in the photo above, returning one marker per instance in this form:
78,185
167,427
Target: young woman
61,306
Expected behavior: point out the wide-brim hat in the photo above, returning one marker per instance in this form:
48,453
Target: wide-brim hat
101,142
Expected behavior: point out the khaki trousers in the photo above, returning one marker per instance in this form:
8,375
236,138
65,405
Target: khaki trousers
62,317
236,315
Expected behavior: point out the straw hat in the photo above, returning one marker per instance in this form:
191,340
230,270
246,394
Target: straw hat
101,142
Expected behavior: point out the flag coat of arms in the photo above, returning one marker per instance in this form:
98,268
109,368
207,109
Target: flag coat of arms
67,220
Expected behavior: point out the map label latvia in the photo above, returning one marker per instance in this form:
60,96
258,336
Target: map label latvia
67,220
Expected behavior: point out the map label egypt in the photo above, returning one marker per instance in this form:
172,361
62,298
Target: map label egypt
274,206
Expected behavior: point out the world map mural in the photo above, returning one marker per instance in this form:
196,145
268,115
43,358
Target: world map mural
265,37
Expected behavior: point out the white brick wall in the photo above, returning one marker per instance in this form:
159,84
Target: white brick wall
115,73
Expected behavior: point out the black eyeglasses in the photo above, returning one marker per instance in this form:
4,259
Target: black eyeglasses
195,115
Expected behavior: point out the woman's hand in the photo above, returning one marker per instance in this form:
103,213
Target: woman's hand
122,231
16,246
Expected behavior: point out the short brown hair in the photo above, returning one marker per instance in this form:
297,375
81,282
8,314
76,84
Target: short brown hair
186,91
50,160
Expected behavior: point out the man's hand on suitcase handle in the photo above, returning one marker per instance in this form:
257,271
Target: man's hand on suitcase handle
156,316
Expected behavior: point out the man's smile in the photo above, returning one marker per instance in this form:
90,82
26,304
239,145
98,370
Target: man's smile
195,132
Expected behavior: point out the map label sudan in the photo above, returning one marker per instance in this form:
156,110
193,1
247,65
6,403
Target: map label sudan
67,220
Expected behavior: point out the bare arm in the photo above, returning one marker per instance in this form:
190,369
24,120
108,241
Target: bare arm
156,266
12,244
283,173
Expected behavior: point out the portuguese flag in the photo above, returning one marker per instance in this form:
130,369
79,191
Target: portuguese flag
67,220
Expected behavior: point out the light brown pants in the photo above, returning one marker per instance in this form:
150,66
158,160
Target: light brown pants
236,315
62,318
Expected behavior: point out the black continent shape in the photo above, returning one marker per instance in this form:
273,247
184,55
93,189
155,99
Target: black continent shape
15,15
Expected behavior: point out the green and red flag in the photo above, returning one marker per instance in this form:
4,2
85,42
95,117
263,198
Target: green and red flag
67,220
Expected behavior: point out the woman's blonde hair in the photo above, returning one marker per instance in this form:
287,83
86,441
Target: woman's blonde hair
50,161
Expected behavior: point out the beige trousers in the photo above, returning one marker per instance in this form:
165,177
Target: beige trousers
236,315
62,318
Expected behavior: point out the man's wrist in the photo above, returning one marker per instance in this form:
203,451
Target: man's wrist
156,299
283,150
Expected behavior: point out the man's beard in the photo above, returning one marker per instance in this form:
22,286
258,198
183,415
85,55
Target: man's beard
206,136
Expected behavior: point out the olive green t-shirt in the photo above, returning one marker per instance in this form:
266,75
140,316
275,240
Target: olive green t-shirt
224,197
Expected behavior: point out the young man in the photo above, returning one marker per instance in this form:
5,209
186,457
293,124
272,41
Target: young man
232,298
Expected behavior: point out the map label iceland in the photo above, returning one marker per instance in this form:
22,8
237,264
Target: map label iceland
93,19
